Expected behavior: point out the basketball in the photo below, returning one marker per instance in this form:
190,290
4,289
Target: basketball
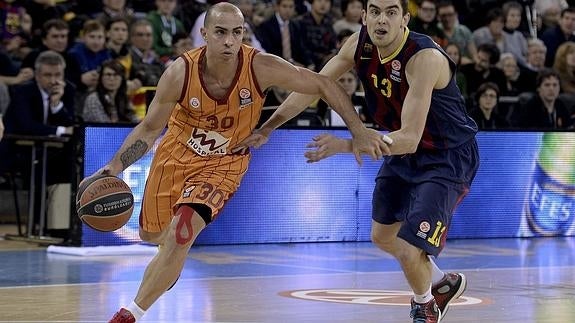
105,203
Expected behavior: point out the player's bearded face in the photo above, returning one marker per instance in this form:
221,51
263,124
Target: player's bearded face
385,21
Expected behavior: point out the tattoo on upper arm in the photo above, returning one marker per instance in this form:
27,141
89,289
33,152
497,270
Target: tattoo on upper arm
133,153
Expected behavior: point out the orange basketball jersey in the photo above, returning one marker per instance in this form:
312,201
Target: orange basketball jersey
211,126
193,162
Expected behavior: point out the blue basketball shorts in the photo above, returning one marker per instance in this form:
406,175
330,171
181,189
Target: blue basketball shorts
422,190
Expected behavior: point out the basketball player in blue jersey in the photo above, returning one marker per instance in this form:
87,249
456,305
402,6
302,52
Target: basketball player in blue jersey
411,92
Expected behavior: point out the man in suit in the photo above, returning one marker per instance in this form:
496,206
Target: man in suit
44,106
270,34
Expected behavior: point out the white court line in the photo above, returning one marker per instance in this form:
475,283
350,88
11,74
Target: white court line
285,276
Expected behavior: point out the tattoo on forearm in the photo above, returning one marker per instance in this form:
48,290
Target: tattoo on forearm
133,153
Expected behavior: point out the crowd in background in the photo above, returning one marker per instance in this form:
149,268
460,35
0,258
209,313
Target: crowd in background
516,59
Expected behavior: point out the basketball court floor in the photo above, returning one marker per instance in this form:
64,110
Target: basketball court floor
510,280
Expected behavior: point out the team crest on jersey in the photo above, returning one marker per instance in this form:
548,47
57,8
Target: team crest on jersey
367,48
194,102
206,143
245,98
396,65
188,191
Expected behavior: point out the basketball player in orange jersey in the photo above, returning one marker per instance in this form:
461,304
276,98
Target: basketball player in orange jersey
410,91
211,99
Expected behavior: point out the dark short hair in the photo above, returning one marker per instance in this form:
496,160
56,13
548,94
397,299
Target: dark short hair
492,50
545,74
57,24
402,3
484,87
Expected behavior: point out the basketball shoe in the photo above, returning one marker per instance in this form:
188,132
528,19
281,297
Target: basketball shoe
425,313
123,316
449,288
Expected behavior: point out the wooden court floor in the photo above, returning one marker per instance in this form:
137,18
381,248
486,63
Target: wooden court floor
510,280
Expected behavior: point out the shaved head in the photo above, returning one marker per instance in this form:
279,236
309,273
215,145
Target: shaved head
221,8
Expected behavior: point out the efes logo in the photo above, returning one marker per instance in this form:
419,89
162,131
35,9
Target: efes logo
369,297
245,97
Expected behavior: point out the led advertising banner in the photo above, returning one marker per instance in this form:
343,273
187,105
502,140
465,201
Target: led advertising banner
525,186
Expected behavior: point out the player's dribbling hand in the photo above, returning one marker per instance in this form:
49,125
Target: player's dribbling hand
106,170
372,143
326,145
256,140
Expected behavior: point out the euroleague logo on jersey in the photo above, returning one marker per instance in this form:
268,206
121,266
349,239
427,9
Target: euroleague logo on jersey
245,97
396,65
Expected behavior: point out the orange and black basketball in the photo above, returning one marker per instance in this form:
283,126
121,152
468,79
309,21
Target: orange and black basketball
105,203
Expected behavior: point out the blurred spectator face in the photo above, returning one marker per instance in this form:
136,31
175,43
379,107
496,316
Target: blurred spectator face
111,80
56,39
549,89
246,7
482,61
426,11
95,40
513,19
166,7
118,33
551,15
349,82
488,100
447,16
353,11
115,5
142,37
453,52
496,27
321,7
536,55
48,76
567,23
286,9
509,66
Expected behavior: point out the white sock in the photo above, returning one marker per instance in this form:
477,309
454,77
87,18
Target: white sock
436,273
136,311
424,298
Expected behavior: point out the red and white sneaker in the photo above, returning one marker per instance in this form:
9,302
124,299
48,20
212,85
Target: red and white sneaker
123,316
449,288
425,313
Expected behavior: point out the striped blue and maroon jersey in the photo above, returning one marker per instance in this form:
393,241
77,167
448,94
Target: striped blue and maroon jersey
448,125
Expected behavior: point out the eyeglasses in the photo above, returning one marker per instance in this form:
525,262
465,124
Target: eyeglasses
143,34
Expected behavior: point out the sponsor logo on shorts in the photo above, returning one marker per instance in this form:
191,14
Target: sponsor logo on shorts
206,143
369,297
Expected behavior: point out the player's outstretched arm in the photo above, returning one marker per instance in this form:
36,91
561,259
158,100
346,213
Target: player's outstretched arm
273,71
418,99
143,136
